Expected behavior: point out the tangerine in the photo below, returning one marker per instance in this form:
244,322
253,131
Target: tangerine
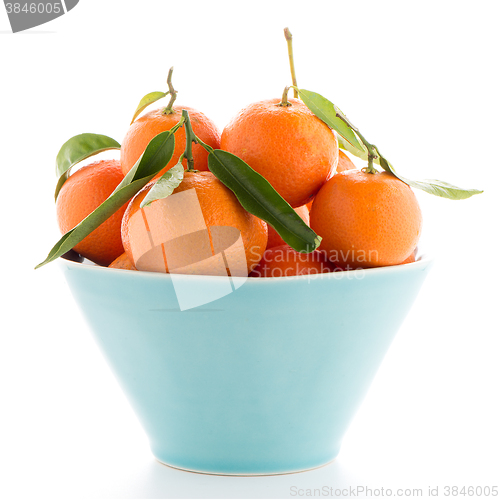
151,124
80,195
123,262
366,220
285,261
287,144
344,163
219,207
410,259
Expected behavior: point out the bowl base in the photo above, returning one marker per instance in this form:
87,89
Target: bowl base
243,474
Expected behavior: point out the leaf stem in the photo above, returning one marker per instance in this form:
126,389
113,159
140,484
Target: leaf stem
207,148
288,37
372,150
190,138
173,93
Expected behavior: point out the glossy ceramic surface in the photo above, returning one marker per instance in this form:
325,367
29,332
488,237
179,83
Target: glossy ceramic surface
264,380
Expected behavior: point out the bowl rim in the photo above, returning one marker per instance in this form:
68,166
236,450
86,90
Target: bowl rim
422,261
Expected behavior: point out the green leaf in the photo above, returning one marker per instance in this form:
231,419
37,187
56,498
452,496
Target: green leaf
432,186
165,185
443,189
77,149
327,111
146,101
350,141
259,198
94,220
343,144
157,154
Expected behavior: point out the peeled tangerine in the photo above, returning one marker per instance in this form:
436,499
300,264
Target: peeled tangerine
366,220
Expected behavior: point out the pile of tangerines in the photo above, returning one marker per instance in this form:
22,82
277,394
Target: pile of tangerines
365,218
280,160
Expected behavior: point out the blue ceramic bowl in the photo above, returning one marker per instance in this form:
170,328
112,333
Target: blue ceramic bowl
264,380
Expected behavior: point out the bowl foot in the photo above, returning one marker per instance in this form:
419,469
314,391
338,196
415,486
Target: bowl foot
245,474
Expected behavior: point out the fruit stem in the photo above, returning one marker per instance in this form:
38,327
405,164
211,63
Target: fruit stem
288,37
370,169
173,93
284,98
190,138
371,149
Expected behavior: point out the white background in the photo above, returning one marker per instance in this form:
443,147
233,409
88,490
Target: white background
420,79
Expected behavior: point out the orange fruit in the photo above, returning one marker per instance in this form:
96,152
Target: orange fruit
285,261
344,163
219,207
151,124
366,220
410,259
123,262
274,239
80,195
292,148
339,266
